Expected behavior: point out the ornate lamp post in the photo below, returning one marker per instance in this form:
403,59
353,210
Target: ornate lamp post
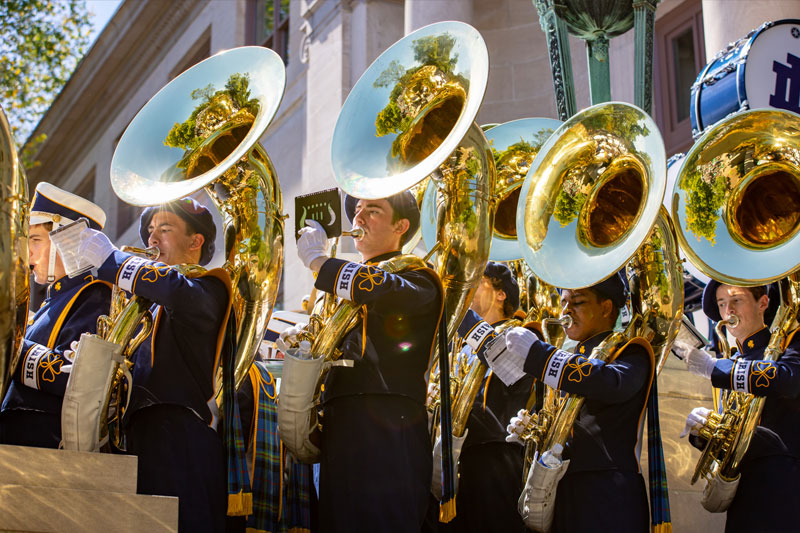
597,21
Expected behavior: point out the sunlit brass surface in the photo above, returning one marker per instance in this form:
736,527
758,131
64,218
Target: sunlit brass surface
729,433
202,131
655,275
14,282
592,195
412,115
331,321
514,147
553,329
590,204
736,201
465,395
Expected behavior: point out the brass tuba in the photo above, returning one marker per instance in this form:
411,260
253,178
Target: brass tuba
593,198
14,229
201,131
514,147
736,202
411,115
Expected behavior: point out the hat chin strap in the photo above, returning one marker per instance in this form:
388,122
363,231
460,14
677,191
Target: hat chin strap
51,265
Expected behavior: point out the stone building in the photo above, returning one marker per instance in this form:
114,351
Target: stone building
326,45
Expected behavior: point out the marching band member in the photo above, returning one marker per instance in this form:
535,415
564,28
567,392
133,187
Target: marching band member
375,469
169,424
489,468
768,495
31,410
603,488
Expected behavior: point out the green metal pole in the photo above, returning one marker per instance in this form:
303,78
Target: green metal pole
599,76
644,13
555,30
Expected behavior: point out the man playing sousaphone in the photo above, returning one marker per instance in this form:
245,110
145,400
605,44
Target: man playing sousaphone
768,494
170,423
603,488
375,467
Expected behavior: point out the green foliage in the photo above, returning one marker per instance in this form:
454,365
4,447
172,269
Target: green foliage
389,120
432,50
568,206
43,40
237,88
521,146
436,50
704,198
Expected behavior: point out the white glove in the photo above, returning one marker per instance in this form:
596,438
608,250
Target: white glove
695,421
95,247
288,337
698,361
312,242
70,354
433,392
517,426
519,341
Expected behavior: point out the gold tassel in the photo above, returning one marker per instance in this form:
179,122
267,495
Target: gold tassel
240,504
664,527
447,510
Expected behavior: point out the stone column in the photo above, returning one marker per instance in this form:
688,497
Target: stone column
725,21
419,13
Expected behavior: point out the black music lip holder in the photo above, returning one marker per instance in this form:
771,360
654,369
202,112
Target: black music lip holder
689,334
323,206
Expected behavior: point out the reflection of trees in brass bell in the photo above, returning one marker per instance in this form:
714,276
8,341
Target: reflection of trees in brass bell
610,176
512,166
216,126
706,188
426,100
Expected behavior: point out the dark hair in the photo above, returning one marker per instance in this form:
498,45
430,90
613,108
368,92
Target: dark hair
601,297
508,306
757,291
47,225
197,217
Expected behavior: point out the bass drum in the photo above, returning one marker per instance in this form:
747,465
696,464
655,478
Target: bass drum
752,73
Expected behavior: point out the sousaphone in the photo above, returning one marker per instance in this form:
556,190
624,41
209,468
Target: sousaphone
202,131
590,205
14,285
736,203
412,115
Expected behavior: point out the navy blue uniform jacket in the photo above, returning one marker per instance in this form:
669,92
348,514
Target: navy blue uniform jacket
490,469
603,474
376,454
768,496
71,308
169,417
176,364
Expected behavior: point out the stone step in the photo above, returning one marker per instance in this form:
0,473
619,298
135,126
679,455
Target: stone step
41,467
47,509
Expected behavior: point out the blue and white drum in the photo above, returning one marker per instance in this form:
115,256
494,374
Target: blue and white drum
760,70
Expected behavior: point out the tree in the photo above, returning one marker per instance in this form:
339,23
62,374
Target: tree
43,40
